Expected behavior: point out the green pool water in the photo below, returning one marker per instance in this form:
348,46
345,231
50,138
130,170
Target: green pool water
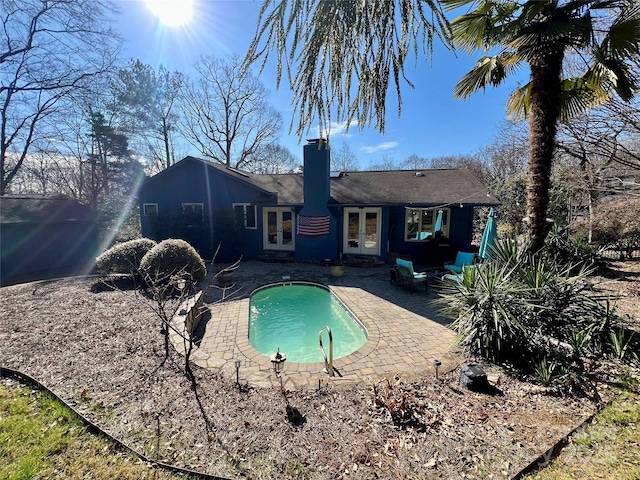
289,316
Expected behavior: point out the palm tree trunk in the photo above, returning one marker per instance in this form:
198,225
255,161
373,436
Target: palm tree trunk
543,118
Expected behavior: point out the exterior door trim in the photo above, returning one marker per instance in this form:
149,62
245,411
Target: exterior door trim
276,236
359,245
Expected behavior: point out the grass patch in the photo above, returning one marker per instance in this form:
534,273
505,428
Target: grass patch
41,438
608,447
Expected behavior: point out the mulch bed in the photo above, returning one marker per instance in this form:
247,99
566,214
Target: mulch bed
102,351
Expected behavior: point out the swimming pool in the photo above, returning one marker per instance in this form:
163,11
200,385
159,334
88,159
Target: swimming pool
289,316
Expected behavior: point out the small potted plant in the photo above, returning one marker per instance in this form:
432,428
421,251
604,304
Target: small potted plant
225,276
337,267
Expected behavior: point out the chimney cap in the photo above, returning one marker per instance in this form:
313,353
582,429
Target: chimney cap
314,141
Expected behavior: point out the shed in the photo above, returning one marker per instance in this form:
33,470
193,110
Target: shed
44,237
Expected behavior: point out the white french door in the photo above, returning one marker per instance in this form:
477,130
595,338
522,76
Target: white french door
362,230
278,233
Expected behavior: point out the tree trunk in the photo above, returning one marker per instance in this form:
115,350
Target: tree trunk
165,137
543,118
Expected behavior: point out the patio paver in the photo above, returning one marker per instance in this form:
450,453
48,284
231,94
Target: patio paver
405,332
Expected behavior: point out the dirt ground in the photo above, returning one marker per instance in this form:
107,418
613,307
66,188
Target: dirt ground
622,281
103,353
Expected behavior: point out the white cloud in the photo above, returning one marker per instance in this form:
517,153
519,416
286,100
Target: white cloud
381,147
335,129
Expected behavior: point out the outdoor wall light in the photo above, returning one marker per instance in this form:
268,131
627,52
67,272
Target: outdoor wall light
181,284
277,360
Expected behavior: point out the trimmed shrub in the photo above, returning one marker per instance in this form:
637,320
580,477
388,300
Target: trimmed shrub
124,257
170,258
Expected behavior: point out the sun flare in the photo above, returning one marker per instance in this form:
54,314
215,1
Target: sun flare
171,12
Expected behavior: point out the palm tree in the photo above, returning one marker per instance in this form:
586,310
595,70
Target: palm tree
341,57
605,35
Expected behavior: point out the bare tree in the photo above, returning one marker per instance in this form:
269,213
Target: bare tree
344,160
507,155
504,163
414,162
37,175
150,108
226,114
50,49
274,158
387,163
471,162
597,149
622,120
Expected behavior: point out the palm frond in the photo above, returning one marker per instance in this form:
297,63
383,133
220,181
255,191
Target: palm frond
623,37
531,10
455,4
518,103
470,31
486,26
488,71
606,73
577,96
341,57
539,39
609,4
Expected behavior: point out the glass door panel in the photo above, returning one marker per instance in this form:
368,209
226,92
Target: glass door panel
371,231
287,228
272,228
353,229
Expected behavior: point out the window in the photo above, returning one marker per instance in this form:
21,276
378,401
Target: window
420,223
150,209
245,215
192,213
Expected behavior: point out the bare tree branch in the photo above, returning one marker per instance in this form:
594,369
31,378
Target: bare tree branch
226,115
49,50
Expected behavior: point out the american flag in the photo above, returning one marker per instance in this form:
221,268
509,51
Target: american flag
313,226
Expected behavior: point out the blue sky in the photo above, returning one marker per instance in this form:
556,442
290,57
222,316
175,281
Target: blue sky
432,122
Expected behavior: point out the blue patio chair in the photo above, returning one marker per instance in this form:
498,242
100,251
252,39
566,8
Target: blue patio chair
407,277
463,259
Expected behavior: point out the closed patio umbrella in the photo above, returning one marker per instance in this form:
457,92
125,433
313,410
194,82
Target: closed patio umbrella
438,226
489,237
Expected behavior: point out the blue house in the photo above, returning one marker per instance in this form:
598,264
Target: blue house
315,215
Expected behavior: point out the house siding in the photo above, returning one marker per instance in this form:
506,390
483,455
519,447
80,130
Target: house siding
194,180
431,252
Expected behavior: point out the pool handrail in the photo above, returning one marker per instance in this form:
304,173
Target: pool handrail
328,365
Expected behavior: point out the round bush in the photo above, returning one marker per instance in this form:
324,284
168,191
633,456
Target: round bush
124,257
173,257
